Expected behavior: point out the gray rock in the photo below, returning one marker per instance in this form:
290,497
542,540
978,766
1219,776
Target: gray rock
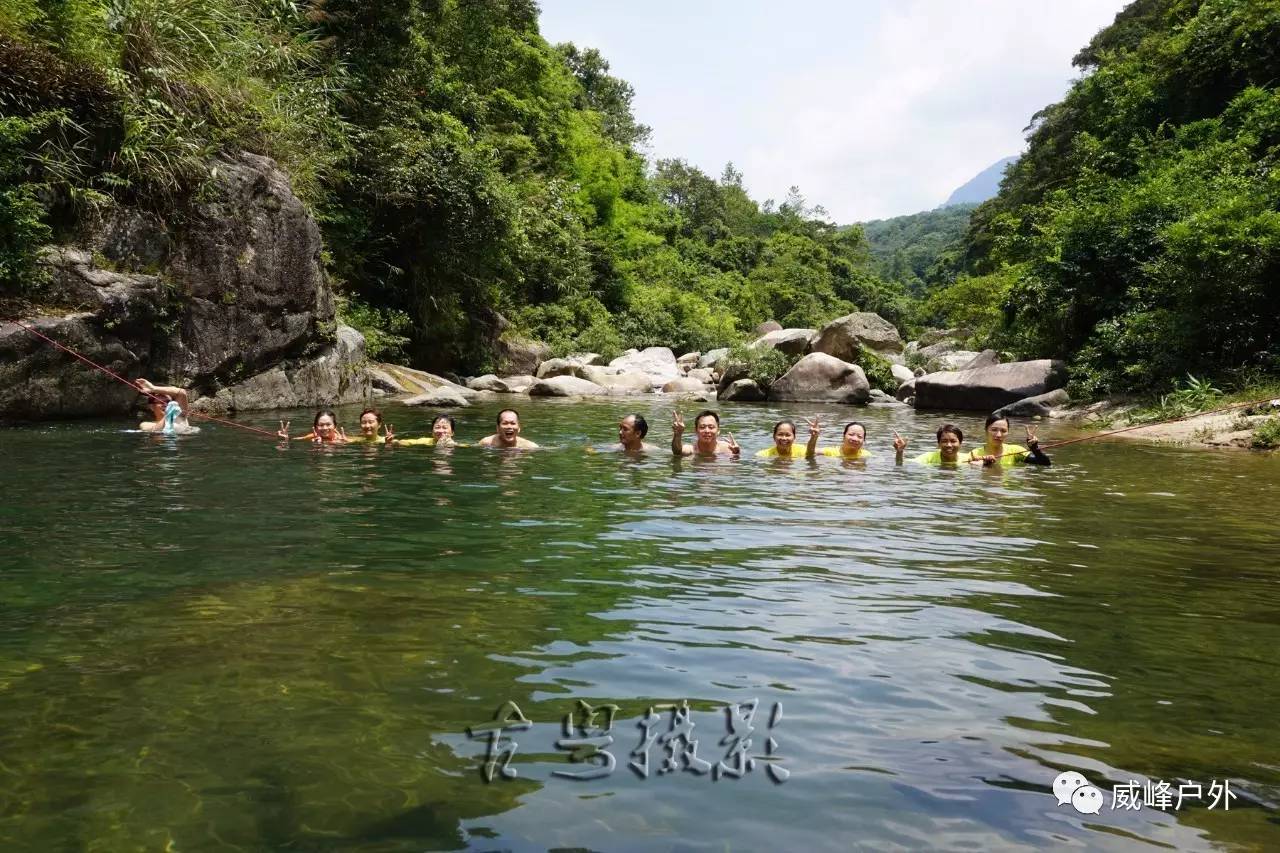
703,374
689,359
822,378
766,327
1040,405
954,360
516,354
560,367
619,381
731,372
684,385
489,382
989,388
843,336
906,390
440,398
334,377
986,358
243,291
658,362
713,357
789,341
933,336
519,384
565,386
743,390
901,373
940,348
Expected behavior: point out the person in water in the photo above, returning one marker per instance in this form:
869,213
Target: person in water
708,443
996,452
158,399
370,423
324,430
631,432
851,443
442,429
508,433
950,437
784,441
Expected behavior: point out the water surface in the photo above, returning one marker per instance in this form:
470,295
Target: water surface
219,643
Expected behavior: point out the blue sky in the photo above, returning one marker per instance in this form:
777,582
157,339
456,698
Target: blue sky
873,108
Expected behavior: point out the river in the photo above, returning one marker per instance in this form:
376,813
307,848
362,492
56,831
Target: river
217,642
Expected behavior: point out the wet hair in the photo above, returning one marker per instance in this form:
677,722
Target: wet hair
453,426
853,424
642,426
782,424
950,428
373,412
503,412
704,413
320,414
993,417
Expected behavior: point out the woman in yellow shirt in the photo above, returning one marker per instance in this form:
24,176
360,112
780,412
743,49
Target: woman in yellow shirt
784,441
996,452
441,435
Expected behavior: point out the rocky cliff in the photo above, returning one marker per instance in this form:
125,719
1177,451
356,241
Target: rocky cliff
229,299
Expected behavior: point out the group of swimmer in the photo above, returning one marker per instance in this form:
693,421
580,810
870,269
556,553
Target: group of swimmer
708,442
169,407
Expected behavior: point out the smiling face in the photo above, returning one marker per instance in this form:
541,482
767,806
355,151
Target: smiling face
949,446
441,429
784,435
854,437
369,423
508,427
325,428
708,431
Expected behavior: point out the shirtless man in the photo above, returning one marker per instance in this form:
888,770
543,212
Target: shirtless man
158,397
631,432
708,443
508,434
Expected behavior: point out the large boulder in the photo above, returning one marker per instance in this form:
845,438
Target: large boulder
560,367
516,354
488,382
1038,406
233,289
658,362
684,385
743,390
989,388
844,336
618,381
713,357
821,378
441,398
689,360
958,360
766,327
789,341
519,384
906,390
986,358
901,373
703,374
565,386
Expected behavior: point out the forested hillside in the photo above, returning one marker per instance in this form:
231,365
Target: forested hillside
1140,233
905,248
464,171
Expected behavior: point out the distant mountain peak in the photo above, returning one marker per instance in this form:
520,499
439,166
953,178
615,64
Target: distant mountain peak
981,186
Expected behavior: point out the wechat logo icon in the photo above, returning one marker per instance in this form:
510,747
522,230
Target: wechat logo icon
1071,787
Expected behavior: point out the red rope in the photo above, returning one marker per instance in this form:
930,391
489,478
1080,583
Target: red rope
120,378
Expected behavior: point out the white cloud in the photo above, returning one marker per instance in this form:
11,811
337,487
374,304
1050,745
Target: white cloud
873,109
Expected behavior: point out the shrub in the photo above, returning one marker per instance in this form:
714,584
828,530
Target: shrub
763,365
381,327
1267,435
878,369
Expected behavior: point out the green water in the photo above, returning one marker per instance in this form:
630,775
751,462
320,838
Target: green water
216,643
